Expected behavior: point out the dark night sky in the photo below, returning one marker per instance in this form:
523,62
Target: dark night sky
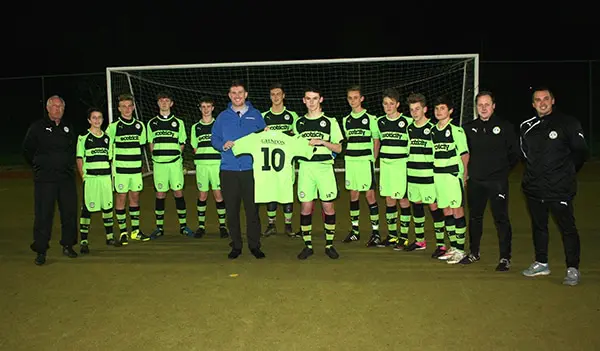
52,40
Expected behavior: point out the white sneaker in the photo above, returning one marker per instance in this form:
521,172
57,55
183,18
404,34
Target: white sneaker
456,257
448,254
536,269
573,276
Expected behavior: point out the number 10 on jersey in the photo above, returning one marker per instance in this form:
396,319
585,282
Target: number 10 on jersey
273,159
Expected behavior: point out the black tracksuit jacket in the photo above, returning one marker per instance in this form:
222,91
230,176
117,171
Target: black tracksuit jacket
555,149
493,148
50,150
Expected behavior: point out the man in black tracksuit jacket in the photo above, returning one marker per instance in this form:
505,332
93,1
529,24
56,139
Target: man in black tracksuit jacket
554,148
493,146
49,148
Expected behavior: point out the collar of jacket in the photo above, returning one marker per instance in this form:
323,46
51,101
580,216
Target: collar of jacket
488,120
49,122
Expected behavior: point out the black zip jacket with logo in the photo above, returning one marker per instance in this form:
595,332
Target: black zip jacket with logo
493,148
554,149
50,150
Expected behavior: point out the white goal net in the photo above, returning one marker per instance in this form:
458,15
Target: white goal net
452,75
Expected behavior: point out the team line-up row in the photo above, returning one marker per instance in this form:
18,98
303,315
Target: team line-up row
422,162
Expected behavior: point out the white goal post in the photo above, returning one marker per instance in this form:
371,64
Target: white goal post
456,76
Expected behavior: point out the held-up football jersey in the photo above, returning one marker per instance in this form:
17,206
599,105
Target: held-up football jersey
272,153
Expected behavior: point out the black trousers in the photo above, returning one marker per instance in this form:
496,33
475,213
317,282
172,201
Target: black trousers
562,211
478,195
46,195
238,187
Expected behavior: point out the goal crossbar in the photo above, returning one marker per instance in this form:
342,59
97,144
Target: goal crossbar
124,69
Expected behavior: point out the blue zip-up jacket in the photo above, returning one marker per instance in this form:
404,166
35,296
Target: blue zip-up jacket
230,126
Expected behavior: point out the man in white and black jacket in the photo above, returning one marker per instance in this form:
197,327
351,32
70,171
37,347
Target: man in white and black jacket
494,151
555,149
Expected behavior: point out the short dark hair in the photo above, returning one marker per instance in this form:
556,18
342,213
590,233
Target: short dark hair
541,88
164,94
485,93
276,85
443,100
126,97
312,89
238,83
414,98
354,87
392,94
92,110
206,99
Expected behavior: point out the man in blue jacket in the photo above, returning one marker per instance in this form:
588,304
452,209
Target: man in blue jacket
236,175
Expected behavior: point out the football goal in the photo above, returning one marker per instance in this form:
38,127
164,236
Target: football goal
452,75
